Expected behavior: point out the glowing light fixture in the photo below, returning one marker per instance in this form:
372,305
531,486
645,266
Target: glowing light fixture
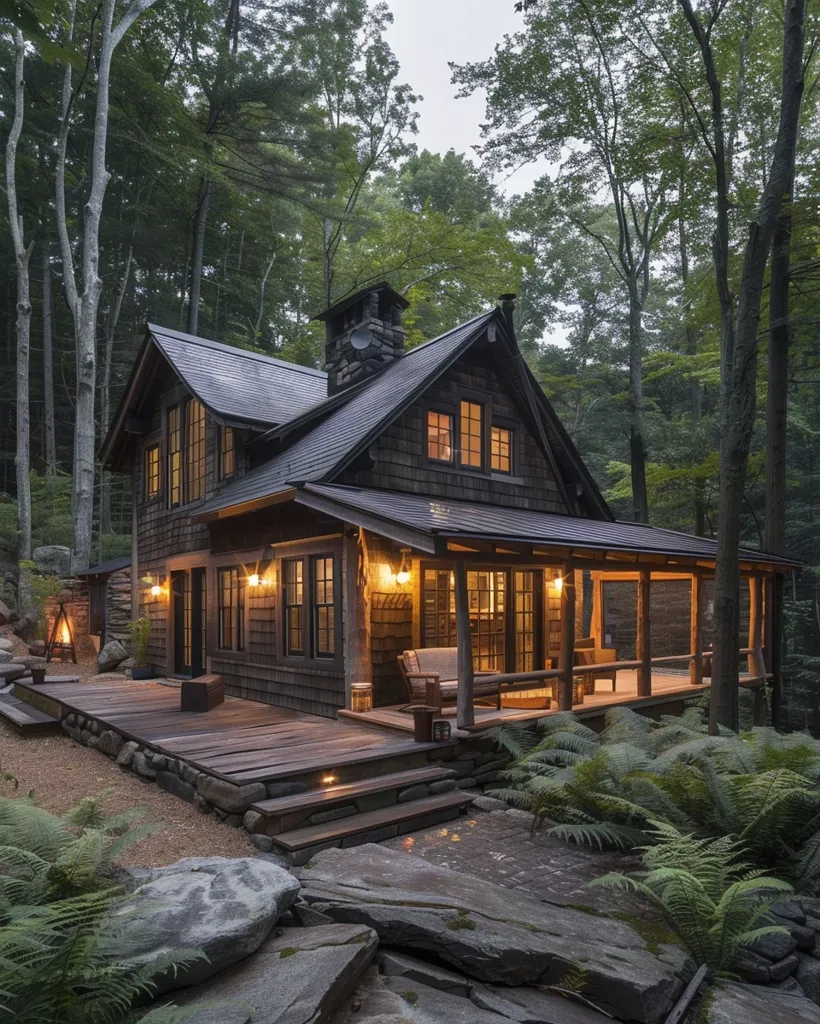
328,780
403,575
558,583
253,579
156,590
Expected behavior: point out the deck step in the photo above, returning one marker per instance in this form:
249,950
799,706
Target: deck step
25,718
354,830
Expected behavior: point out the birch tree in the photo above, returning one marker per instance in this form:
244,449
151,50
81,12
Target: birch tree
83,290
22,254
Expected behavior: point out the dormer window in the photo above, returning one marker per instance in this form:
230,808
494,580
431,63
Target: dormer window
501,449
471,434
440,430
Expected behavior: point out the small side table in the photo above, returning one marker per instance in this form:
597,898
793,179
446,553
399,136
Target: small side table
433,693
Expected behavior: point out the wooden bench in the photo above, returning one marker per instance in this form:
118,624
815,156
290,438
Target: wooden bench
586,653
202,694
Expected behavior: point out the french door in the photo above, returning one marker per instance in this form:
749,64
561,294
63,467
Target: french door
188,609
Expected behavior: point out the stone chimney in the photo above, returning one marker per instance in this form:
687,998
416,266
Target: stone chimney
363,335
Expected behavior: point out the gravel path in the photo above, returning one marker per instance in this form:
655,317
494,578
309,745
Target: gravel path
62,772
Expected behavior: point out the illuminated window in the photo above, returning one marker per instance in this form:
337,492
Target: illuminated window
501,450
152,471
471,415
226,452
231,609
174,456
194,450
324,620
294,600
439,436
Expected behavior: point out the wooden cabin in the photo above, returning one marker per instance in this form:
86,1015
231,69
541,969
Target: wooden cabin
297,530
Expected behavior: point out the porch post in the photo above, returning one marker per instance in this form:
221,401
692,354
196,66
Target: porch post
596,629
776,653
358,659
135,548
643,644
756,666
696,633
465,712
567,638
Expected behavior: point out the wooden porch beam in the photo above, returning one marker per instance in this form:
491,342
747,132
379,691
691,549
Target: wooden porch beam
465,712
643,643
567,638
358,657
756,666
696,632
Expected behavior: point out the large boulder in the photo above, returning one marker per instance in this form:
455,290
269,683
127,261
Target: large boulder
299,977
11,671
5,656
25,628
224,907
6,644
733,1003
5,614
29,661
52,559
111,655
493,934
228,797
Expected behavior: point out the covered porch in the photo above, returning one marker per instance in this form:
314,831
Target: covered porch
537,612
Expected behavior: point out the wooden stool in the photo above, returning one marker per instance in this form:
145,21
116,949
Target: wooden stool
202,694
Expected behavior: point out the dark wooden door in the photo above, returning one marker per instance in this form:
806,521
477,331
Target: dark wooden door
189,606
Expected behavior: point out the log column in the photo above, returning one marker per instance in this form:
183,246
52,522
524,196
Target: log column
358,658
696,633
465,712
644,647
756,666
567,638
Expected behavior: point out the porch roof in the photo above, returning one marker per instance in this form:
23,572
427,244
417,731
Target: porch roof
423,521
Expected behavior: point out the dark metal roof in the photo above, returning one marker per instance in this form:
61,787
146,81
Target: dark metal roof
238,385
107,567
342,435
470,520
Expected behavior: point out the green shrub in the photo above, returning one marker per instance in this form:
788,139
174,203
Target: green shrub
711,897
139,632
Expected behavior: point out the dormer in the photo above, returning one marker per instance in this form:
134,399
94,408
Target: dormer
363,335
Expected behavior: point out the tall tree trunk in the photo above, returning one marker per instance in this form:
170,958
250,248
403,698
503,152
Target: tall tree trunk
22,254
197,252
85,305
691,345
637,428
105,391
48,375
739,347
774,539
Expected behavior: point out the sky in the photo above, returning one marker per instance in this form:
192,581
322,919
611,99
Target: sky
425,35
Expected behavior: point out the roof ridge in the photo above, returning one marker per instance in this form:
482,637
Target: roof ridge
195,339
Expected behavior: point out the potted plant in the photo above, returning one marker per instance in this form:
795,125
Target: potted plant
139,632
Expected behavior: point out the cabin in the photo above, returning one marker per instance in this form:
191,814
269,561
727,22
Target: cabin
403,528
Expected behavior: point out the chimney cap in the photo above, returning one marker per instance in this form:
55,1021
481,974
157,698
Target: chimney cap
507,297
348,300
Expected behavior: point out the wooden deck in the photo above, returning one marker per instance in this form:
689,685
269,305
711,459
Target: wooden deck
667,689
241,740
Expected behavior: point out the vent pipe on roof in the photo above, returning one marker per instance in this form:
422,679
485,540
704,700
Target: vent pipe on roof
507,301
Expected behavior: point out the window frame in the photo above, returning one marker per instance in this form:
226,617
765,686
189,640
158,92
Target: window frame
511,471
452,415
147,494
483,406
222,451
310,655
237,610
177,452
195,458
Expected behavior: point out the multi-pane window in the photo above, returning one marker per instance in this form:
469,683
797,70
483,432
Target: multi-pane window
152,472
175,456
501,450
439,436
226,452
194,450
324,619
231,609
471,434
294,600
524,610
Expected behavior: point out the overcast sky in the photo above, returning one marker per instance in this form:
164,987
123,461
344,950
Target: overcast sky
425,35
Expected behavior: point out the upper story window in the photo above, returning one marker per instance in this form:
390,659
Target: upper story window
231,609
186,452
501,447
439,436
471,432
309,599
151,472
227,458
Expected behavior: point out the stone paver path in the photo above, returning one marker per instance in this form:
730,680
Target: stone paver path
499,847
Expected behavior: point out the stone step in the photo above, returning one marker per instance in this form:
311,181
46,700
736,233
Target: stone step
25,718
373,826
286,813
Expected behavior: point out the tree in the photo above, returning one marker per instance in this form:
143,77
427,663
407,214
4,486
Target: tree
84,304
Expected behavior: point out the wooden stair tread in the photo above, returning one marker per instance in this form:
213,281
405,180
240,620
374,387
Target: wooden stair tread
23,716
350,790
314,835
325,763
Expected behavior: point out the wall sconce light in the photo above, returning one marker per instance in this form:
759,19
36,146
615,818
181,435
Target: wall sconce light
403,575
558,583
253,579
156,590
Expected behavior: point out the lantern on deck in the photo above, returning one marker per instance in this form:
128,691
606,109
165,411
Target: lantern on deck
441,731
577,689
361,697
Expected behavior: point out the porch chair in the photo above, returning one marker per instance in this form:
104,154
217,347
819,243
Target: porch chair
431,677
586,653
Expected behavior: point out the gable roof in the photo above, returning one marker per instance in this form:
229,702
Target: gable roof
339,438
239,387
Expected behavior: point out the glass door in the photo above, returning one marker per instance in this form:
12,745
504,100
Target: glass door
188,596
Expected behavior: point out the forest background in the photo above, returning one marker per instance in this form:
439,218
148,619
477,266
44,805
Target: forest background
261,163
